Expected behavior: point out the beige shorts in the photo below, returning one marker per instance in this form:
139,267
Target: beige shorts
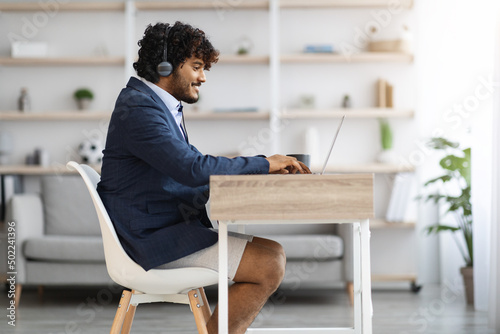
209,257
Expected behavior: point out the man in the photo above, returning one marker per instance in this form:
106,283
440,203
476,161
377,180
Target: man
154,184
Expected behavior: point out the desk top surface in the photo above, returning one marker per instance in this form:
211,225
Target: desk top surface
291,197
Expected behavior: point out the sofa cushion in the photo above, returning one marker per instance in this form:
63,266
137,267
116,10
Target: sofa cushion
68,206
64,248
321,247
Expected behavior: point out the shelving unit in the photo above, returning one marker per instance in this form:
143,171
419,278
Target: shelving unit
273,60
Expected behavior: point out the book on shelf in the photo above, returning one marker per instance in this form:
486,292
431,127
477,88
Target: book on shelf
401,197
384,94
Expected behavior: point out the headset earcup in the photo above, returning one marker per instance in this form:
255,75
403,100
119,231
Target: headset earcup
164,68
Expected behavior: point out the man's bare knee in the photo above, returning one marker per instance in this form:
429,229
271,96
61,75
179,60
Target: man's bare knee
273,270
261,265
276,272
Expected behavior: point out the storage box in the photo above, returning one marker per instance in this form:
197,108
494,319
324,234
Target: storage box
22,49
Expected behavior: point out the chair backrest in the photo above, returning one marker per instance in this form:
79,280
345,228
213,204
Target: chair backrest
120,266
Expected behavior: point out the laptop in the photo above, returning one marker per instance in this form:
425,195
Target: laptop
331,147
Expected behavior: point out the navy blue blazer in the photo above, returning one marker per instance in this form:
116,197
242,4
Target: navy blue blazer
154,184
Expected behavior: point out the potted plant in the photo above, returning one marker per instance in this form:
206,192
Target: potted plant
457,173
387,155
83,96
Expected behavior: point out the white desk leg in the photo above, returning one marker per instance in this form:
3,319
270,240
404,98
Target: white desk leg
356,277
223,284
366,294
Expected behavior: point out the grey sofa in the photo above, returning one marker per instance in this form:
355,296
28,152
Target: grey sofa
59,242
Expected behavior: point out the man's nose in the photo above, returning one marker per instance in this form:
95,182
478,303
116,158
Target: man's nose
202,77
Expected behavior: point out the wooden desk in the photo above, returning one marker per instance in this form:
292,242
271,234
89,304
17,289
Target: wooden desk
298,199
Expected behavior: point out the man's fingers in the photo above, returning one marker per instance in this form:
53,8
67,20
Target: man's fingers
301,167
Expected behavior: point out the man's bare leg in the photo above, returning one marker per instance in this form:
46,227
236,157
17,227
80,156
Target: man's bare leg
259,274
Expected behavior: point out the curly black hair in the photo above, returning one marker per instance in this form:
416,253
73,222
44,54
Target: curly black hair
184,41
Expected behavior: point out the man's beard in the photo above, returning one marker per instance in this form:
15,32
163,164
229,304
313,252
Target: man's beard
181,89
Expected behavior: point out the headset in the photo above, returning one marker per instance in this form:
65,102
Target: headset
164,68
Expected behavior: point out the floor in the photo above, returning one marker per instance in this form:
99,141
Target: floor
434,310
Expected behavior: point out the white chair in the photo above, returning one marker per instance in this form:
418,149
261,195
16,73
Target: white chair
183,285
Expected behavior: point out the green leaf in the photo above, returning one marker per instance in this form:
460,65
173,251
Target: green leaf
466,166
440,228
444,178
385,134
435,197
440,143
452,162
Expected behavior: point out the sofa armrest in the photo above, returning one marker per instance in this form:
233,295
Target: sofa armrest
26,210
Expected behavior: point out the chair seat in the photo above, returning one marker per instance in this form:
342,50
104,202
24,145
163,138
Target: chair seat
164,281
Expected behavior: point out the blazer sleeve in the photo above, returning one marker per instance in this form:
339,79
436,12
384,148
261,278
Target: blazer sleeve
149,136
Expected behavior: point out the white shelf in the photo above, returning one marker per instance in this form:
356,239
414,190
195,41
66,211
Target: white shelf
383,224
193,5
38,170
350,113
87,115
264,4
70,6
227,115
243,59
64,61
362,57
305,4
365,168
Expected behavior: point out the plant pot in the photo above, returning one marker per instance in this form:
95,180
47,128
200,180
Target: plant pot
468,276
388,157
83,104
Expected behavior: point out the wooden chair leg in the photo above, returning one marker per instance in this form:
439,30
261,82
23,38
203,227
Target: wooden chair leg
40,292
120,312
17,294
201,309
349,287
207,313
129,317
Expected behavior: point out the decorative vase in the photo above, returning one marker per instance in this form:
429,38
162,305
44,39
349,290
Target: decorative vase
83,104
468,276
387,157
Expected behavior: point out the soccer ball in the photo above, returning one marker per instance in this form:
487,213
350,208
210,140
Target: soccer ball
90,151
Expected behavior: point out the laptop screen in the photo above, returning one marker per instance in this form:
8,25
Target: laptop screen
331,147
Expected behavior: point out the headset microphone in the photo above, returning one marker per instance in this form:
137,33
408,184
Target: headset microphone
165,67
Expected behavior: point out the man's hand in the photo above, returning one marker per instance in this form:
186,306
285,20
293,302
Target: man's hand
280,164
